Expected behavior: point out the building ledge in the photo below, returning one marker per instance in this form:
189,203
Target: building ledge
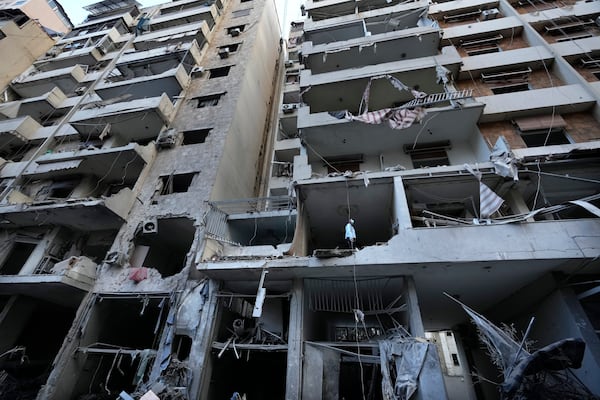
58,289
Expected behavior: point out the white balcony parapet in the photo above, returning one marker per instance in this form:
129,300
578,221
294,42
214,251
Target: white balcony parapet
17,132
577,47
568,98
437,10
182,33
202,13
34,83
506,26
579,9
533,57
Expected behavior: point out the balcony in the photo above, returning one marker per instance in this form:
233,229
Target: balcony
532,57
343,89
15,133
368,23
126,163
35,83
207,14
170,82
381,48
560,99
502,26
198,31
132,120
36,107
322,9
84,214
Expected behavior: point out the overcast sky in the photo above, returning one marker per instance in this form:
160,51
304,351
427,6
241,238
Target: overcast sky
288,9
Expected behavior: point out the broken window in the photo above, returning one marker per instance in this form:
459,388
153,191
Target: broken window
176,183
545,137
195,136
219,72
344,163
209,100
231,48
428,154
163,244
117,345
235,30
255,348
31,333
17,257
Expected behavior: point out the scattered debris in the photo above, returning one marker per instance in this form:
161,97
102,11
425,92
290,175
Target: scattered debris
138,274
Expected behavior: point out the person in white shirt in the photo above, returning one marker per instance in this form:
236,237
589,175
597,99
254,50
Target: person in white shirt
350,233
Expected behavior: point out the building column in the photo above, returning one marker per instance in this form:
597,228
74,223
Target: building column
401,210
293,389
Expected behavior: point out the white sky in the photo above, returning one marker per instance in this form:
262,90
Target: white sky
288,9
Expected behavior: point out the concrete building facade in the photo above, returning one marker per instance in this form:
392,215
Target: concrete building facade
177,182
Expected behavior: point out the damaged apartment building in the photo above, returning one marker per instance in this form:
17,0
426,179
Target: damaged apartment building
176,182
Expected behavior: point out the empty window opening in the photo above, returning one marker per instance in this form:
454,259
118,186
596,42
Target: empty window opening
125,329
483,50
182,345
219,72
196,136
163,244
511,88
39,328
545,137
176,183
210,100
16,258
350,381
241,13
231,48
260,374
343,163
428,154
235,30
455,359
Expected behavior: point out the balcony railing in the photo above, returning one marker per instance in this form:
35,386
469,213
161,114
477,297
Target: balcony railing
257,204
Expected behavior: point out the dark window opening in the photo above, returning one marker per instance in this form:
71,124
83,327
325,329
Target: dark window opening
483,50
545,137
343,163
431,158
182,345
235,30
455,359
195,136
133,325
39,328
219,72
176,183
350,381
231,48
163,244
511,88
210,100
18,256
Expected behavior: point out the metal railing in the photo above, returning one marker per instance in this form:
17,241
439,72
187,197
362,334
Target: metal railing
439,98
257,204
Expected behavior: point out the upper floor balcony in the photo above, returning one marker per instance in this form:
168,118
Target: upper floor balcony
368,23
343,90
379,48
138,119
87,50
322,9
121,22
506,27
583,55
37,108
184,15
571,22
198,31
33,83
16,133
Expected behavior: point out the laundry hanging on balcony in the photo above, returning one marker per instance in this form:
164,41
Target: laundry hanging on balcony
489,201
401,117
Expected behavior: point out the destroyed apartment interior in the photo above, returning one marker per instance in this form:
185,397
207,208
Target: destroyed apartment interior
371,200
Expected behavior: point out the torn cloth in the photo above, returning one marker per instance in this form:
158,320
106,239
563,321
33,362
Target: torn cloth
489,201
408,359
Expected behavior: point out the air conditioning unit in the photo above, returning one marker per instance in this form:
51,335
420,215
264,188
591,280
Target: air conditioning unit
235,32
492,13
289,108
150,226
80,90
197,71
224,52
166,139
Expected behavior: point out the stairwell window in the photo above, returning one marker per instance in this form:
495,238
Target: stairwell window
209,100
219,72
176,183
